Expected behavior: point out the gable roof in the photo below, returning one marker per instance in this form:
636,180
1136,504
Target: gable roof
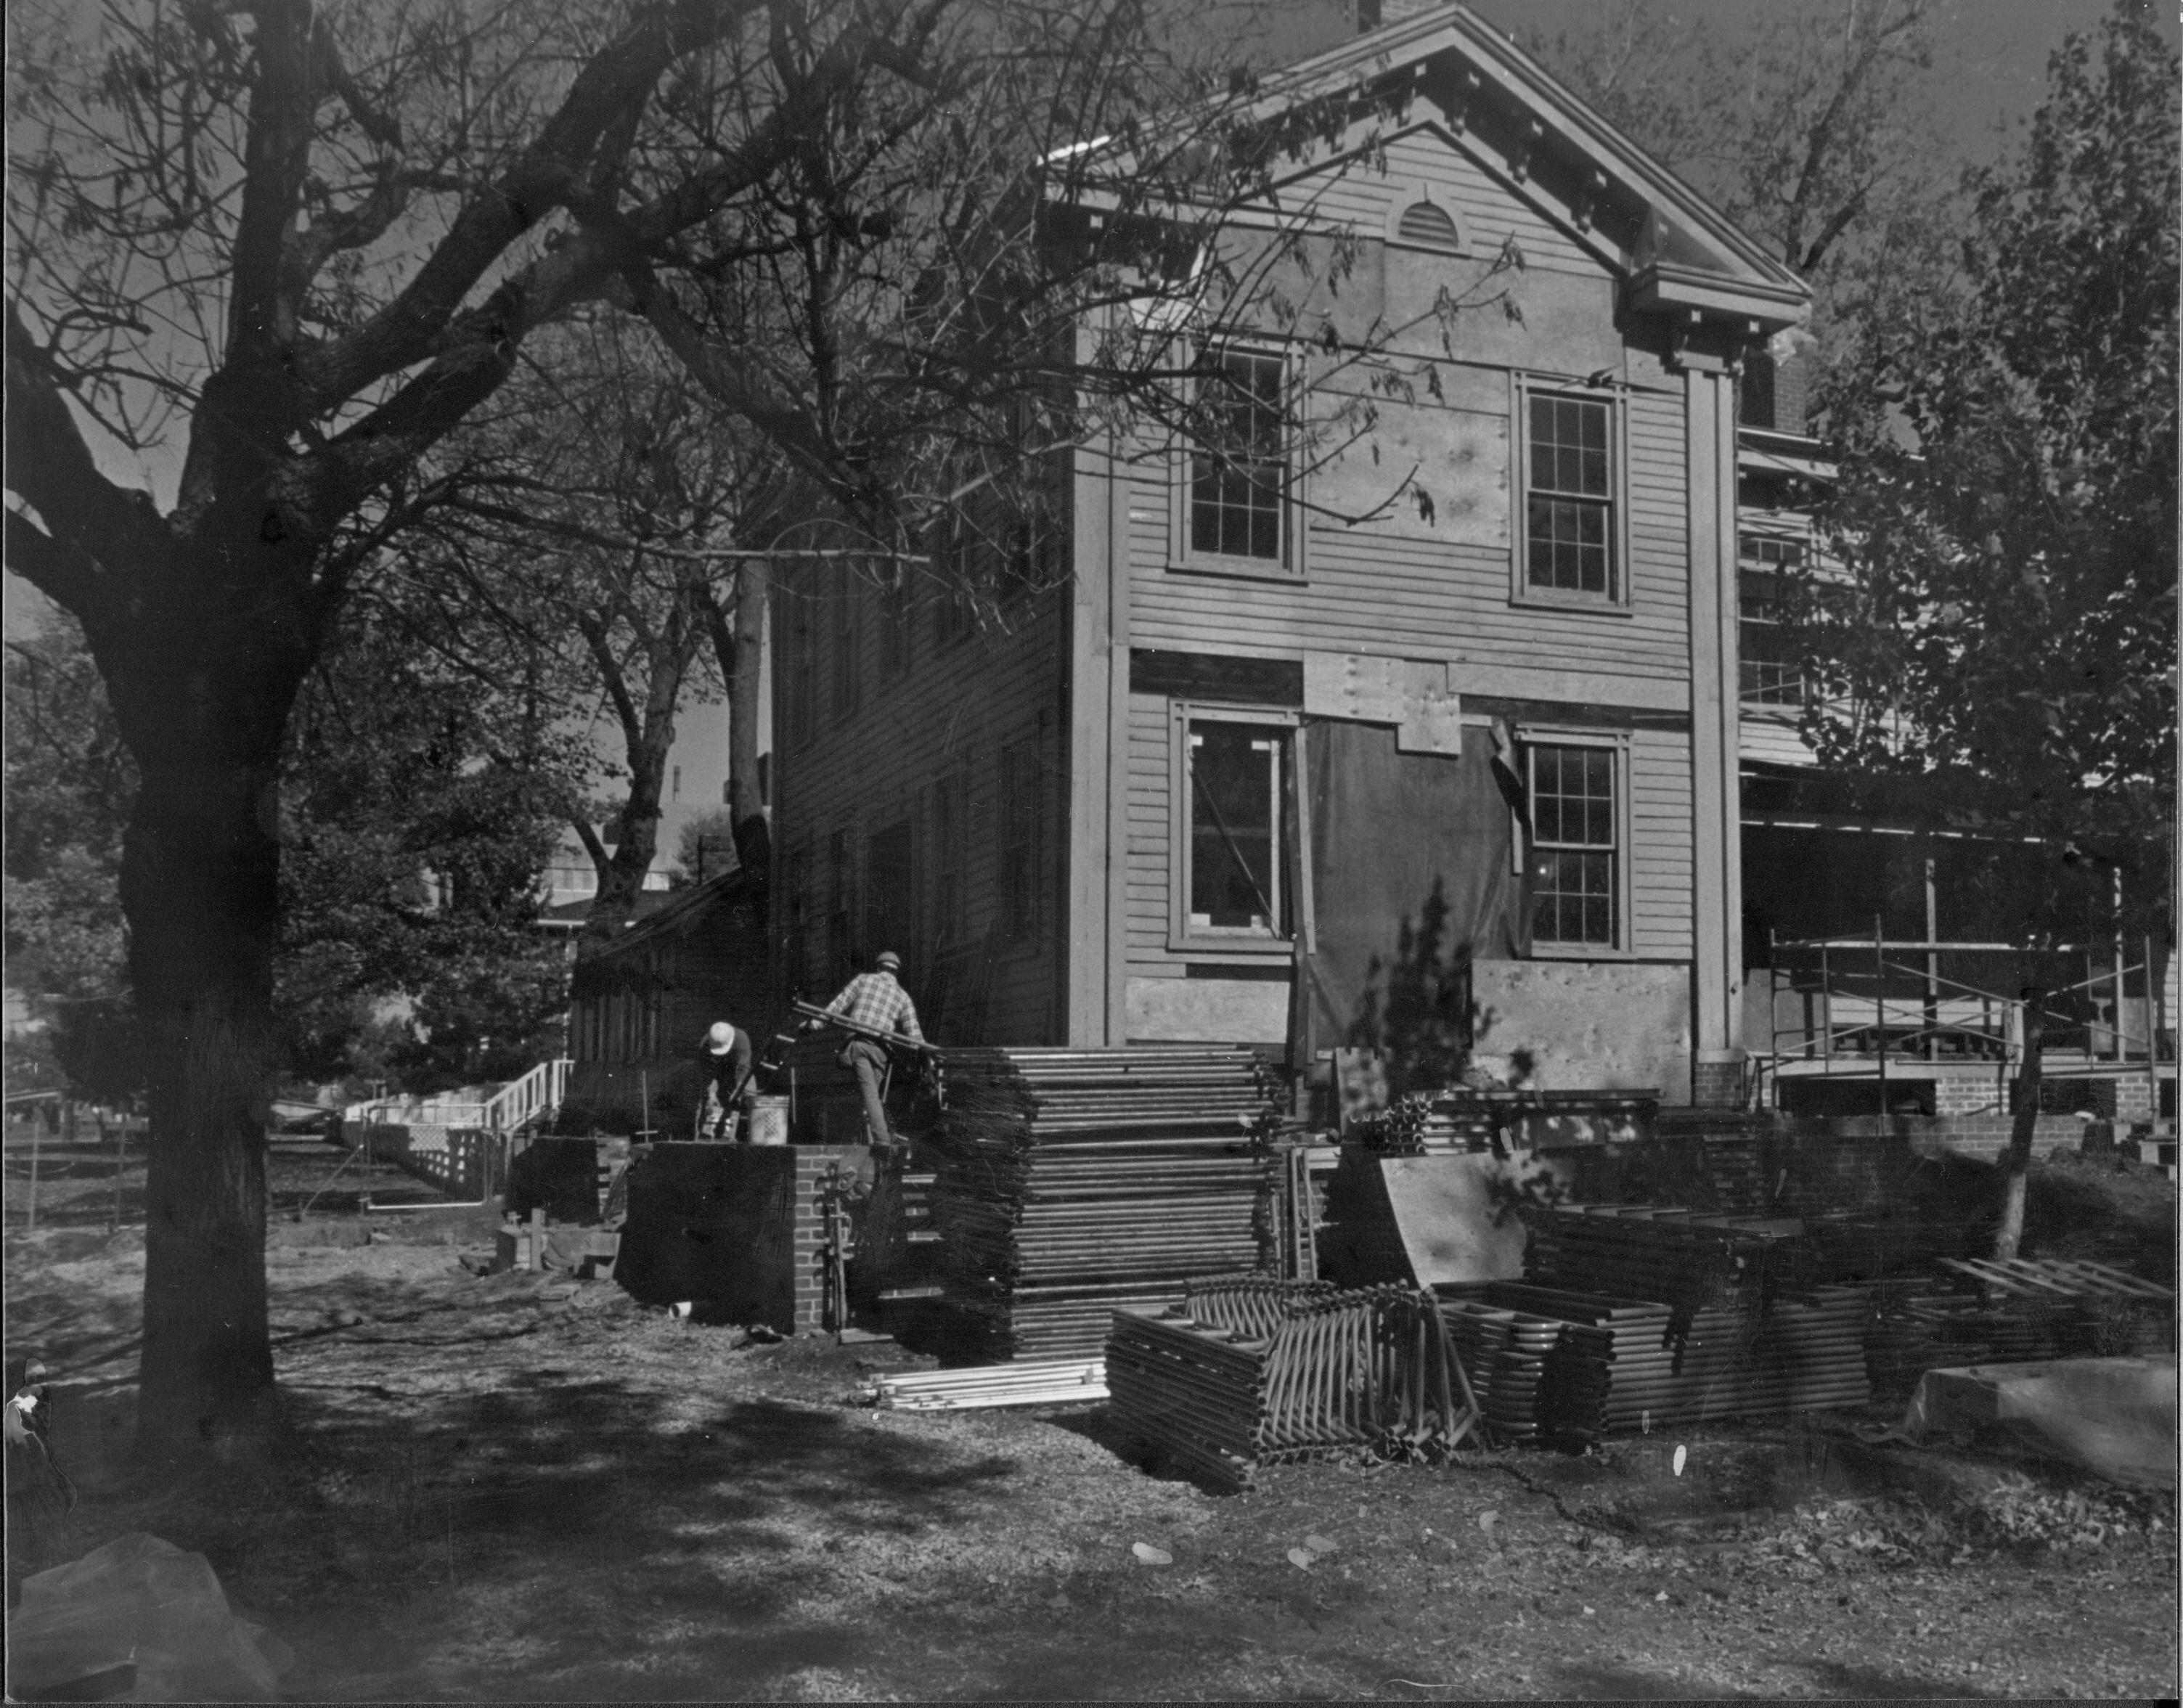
1678,254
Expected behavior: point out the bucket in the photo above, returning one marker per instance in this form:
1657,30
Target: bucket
770,1122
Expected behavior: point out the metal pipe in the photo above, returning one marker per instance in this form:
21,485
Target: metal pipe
1879,1004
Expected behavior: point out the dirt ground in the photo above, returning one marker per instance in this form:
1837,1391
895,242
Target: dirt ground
511,1487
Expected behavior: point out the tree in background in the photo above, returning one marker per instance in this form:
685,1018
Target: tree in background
1807,130
414,825
602,500
69,779
419,806
2007,631
2012,571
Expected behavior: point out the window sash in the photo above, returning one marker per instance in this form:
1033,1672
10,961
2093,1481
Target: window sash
1570,515
1237,502
1576,845
1235,773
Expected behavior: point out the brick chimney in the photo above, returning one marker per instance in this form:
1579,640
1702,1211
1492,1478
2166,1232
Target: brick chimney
1776,391
1370,14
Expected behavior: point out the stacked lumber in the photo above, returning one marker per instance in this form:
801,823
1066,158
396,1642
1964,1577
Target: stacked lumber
1049,1382
1071,1181
1250,1371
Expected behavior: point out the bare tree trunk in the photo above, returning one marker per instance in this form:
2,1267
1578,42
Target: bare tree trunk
621,878
200,887
2019,1157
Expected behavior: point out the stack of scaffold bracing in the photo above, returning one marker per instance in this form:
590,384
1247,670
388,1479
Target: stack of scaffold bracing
2016,1312
1249,1370
1070,1182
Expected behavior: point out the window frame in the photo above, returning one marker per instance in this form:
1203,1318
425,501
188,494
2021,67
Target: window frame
1530,738
1203,943
1293,564
1616,602
1786,696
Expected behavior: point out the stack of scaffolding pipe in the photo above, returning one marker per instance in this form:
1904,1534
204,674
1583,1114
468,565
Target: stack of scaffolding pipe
1505,1352
1646,1251
2021,1312
1049,1382
1074,1181
1621,1365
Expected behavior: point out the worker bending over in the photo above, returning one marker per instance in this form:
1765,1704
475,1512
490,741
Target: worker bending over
731,1084
874,1000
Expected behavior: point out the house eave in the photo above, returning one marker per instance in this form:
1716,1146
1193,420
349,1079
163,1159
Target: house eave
1664,288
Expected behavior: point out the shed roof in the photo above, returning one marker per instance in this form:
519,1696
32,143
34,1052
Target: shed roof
680,911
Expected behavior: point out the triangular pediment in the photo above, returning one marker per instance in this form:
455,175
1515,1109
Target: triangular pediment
1448,70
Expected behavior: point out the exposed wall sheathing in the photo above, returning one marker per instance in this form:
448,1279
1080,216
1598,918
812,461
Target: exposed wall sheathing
948,716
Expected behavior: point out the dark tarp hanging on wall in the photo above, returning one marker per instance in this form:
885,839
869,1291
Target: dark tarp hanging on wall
1412,878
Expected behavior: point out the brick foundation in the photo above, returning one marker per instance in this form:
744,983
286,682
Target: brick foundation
740,1228
1716,1085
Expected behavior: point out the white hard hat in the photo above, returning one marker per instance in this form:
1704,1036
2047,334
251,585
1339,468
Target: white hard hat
720,1040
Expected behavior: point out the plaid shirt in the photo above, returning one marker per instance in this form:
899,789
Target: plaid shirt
875,1000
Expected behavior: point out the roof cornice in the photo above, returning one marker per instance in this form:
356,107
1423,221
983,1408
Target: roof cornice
1750,285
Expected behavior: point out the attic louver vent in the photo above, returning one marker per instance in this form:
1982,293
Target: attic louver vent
1426,222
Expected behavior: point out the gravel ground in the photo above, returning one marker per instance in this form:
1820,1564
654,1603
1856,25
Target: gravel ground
510,1488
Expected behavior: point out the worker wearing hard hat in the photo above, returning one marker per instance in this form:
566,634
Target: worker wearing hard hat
731,1084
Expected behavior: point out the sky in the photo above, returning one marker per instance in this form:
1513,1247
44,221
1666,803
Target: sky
1989,73
1989,60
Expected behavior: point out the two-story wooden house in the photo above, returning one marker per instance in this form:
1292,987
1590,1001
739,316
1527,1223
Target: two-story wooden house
1256,762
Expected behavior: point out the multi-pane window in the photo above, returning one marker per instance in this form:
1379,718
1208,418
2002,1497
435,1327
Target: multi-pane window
1575,846
1233,876
1767,669
1569,496
1239,468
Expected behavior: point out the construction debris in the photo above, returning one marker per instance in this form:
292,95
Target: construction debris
1071,1181
1043,1381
